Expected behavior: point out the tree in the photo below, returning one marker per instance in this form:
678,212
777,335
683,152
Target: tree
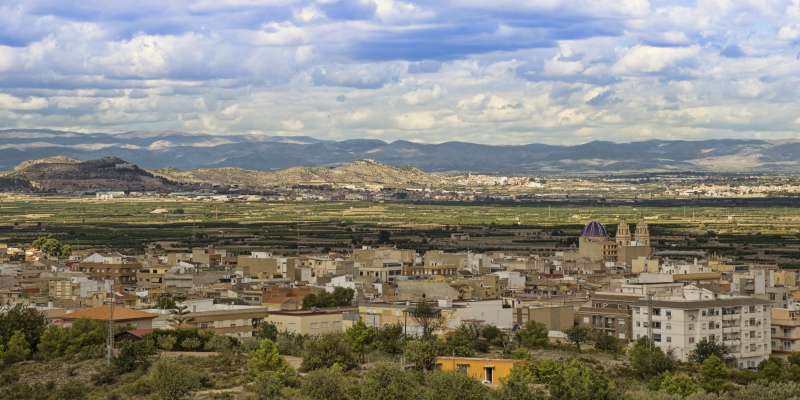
713,375
133,355
83,336
180,315
427,317
384,237
521,384
578,382
389,382
578,334
166,302
173,379
647,360
220,344
343,297
421,353
454,386
17,349
389,339
325,384
533,335
51,247
266,359
605,342
29,321
680,384
325,351
706,348
269,385
361,338
268,330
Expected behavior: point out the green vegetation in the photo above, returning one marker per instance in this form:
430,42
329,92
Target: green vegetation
341,297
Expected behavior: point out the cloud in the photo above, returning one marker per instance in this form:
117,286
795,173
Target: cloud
648,59
501,71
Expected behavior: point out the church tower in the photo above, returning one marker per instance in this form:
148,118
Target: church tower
642,236
623,237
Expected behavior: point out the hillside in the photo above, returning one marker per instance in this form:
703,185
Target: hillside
360,172
65,174
187,151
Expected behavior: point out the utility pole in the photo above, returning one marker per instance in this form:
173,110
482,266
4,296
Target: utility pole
110,339
650,341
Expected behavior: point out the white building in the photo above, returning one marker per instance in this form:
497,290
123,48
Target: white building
678,323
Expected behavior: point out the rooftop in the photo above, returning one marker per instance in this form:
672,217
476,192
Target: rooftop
103,313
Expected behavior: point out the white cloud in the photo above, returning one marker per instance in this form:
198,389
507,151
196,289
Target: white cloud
9,102
789,32
645,59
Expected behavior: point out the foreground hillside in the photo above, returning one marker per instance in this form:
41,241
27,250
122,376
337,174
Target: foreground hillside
186,151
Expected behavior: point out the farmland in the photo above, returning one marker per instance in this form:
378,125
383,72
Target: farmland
766,233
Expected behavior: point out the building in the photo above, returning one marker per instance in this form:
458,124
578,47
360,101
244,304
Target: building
554,317
235,321
676,324
609,313
309,322
490,371
785,330
379,270
596,245
120,315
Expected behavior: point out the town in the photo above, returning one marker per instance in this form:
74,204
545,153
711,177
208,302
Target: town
484,311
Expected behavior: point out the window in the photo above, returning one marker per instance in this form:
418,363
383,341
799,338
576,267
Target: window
669,339
668,327
691,340
656,337
462,368
488,374
656,311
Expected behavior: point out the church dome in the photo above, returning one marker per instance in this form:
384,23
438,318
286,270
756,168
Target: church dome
594,229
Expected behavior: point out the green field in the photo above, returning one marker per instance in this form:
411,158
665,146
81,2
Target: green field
130,224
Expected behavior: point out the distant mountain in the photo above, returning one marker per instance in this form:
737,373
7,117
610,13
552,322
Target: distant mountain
63,174
185,151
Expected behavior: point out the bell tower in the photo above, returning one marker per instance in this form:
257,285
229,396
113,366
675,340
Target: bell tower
642,235
623,237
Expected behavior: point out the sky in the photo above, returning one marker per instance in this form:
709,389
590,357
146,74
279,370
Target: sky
486,71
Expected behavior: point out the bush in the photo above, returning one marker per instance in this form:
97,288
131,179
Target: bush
454,386
134,354
266,359
533,335
421,353
327,383
191,344
173,379
325,351
388,381
647,360
167,342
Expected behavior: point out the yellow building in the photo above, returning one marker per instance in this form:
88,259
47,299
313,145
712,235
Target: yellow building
309,322
490,371
644,264
786,279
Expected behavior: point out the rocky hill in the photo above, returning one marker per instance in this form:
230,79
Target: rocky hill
186,151
64,174
359,173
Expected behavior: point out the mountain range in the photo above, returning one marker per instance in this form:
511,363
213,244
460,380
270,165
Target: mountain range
188,151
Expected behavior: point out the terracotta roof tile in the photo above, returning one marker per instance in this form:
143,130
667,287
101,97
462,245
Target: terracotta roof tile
102,313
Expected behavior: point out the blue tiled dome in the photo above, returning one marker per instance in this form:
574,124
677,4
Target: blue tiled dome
594,229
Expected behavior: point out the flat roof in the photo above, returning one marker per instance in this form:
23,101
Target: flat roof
738,301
